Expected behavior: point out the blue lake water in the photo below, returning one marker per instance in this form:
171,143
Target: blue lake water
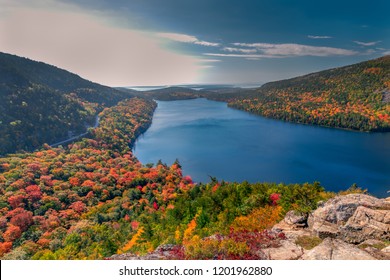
211,139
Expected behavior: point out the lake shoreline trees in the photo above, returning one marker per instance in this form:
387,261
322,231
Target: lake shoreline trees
93,198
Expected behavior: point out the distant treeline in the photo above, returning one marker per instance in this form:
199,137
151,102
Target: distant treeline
353,97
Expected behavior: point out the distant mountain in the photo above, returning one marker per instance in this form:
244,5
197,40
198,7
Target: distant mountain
170,93
213,92
351,97
40,103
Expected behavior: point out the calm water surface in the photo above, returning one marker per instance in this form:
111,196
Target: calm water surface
210,139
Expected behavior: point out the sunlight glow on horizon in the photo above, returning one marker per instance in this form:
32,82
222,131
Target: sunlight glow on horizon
84,45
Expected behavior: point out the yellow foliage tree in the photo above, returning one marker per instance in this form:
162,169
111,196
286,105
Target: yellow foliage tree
260,219
190,229
132,241
209,248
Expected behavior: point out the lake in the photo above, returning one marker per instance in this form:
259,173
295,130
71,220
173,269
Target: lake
210,139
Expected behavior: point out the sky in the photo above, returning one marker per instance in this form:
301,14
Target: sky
170,42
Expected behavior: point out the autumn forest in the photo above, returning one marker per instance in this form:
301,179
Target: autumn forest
92,198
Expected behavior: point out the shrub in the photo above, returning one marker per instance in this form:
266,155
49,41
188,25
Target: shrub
308,242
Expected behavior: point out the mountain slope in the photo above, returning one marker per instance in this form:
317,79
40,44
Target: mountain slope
217,93
352,97
95,199
42,103
172,93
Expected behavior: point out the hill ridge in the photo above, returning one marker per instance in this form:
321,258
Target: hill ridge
348,97
42,103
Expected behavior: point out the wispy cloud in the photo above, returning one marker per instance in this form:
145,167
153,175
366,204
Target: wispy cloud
209,60
90,47
207,63
289,50
184,38
383,51
239,50
367,44
319,37
247,56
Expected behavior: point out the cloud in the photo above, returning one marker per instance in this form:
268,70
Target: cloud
247,56
84,43
239,50
210,60
256,51
383,51
367,44
319,37
289,50
184,38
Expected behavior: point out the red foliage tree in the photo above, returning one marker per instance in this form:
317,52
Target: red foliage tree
5,247
17,200
12,233
88,183
33,193
19,184
47,180
134,225
74,181
187,179
274,198
78,206
21,218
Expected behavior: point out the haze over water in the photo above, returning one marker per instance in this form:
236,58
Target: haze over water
211,139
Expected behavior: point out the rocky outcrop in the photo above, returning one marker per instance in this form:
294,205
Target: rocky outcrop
353,218
349,227
366,223
336,249
354,226
162,252
133,257
386,250
288,250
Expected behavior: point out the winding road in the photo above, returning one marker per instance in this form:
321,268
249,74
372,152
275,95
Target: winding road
77,136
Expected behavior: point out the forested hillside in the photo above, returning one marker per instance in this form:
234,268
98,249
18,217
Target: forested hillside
224,94
40,103
94,199
172,93
353,97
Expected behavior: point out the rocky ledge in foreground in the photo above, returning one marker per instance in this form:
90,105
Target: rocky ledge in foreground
349,227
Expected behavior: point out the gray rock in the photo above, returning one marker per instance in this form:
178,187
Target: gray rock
353,217
373,247
162,252
372,243
365,224
287,251
293,235
295,218
293,223
386,250
377,254
335,249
